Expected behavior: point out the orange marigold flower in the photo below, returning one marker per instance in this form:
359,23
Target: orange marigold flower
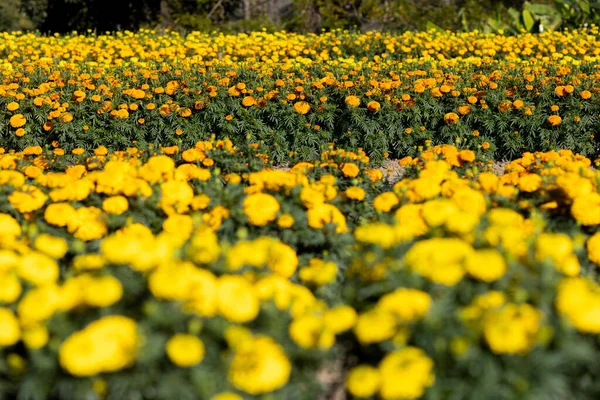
373,106
586,94
555,120
464,109
350,170
18,120
170,150
66,117
302,107
352,101
101,151
451,118
20,132
248,101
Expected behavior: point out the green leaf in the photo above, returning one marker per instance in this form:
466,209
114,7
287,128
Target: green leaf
585,6
528,20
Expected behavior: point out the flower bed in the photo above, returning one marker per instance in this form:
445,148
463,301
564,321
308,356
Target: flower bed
204,273
388,94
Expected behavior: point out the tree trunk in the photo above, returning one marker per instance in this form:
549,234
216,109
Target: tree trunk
247,10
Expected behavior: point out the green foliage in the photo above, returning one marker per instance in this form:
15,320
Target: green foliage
13,18
299,15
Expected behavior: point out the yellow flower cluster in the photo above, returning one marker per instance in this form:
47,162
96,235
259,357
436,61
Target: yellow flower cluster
148,258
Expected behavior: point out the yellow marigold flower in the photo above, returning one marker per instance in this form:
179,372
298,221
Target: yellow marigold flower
363,381
405,374
259,366
204,246
451,118
323,214
553,246
59,214
352,101
530,183
103,291
311,197
340,319
285,221
593,248
200,202
281,258
261,208
578,299
586,209
406,304
318,272
488,181
13,178
12,106
202,296
237,301
9,227
439,259
486,264
11,287
375,326
38,304
10,331
512,328
115,205
38,268
437,212
378,233
17,120
88,262
27,199
55,247
106,345
35,336
385,201
310,332
355,193
350,170
302,107
185,350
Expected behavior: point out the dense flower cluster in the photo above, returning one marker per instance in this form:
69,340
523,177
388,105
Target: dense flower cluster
185,273
388,93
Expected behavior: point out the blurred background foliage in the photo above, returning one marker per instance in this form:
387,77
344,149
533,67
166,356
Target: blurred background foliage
508,16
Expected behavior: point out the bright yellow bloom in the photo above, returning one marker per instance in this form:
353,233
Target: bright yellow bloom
185,350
